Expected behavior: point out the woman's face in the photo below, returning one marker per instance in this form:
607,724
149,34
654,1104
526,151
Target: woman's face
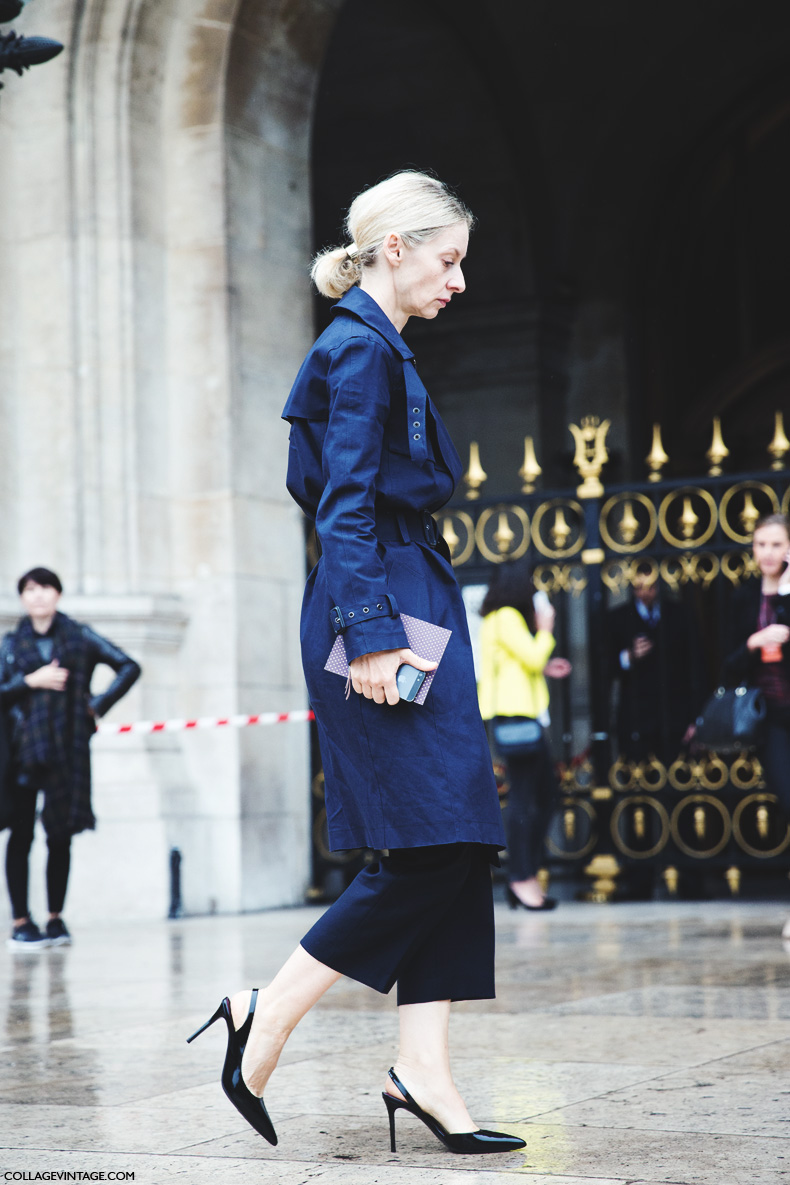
430,275
770,547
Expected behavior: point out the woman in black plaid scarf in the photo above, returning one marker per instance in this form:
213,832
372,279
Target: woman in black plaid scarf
46,665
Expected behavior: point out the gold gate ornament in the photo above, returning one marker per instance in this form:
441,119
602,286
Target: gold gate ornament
591,454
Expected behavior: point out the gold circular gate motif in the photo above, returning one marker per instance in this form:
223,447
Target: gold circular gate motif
461,546
688,519
504,534
622,775
750,513
651,774
569,807
561,531
700,803
746,772
761,802
634,804
634,535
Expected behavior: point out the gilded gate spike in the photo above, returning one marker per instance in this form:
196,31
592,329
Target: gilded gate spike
750,514
689,520
503,536
629,524
560,530
656,458
718,450
780,445
530,471
475,475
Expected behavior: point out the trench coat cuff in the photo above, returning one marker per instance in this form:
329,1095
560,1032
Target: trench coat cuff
385,633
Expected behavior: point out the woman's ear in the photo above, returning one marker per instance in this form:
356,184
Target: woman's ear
392,249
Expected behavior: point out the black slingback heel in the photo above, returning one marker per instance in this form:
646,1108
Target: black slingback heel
479,1141
245,1102
515,902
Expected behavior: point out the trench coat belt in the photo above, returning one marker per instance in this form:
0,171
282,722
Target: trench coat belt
407,526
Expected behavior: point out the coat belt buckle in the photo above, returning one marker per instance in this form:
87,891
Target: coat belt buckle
430,530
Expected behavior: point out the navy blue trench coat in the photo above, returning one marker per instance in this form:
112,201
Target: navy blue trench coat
369,458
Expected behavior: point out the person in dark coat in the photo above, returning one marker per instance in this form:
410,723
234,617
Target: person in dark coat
758,648
46,666
655,660
370,461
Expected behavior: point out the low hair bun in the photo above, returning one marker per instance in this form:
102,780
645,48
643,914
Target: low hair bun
334,272
417,206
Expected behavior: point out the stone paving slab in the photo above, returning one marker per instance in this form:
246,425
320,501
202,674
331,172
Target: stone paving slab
629,1045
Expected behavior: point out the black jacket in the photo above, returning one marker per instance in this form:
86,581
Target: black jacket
661,692
16,698
740,663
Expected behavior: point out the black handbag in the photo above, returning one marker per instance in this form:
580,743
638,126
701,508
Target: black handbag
518,738
734,718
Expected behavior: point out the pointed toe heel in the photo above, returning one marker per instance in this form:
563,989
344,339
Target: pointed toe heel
463,1142
515,902
250,1106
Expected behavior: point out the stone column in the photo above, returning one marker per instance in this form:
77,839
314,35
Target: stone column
144,455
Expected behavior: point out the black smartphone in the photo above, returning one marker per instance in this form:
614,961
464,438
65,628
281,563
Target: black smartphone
409,681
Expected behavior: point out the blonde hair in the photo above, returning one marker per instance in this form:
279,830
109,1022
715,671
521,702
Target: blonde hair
414,205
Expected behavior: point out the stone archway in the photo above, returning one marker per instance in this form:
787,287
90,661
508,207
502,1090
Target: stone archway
144,252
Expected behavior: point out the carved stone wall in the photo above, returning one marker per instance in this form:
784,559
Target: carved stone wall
154,310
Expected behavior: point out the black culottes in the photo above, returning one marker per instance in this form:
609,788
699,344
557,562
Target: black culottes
419,917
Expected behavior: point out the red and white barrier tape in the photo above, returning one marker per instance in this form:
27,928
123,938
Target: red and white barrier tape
108,727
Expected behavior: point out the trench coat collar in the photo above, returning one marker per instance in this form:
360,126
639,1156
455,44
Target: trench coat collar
363,306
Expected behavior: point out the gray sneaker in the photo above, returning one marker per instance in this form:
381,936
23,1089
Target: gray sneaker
57,933
27,937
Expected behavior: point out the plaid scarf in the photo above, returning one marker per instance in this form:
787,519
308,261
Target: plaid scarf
53,729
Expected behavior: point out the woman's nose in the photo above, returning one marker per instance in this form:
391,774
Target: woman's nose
457,282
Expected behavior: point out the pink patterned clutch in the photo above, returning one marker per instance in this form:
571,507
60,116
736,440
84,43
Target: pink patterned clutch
427,640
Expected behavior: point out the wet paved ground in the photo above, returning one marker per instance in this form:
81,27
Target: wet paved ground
628,1043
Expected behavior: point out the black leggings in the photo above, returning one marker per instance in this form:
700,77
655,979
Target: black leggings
530,804
18,852
421,917
775,756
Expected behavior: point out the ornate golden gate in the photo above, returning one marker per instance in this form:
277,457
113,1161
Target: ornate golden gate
617,816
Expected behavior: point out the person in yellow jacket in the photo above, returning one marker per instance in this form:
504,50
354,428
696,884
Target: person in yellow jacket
516,644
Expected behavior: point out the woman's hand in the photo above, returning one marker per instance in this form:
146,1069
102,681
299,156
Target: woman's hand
373,675
52,677
772,635
784,579
544,619
557,668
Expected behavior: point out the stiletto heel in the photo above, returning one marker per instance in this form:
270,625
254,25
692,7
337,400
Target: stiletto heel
478,1141
203,1028
391,1104
246,1103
